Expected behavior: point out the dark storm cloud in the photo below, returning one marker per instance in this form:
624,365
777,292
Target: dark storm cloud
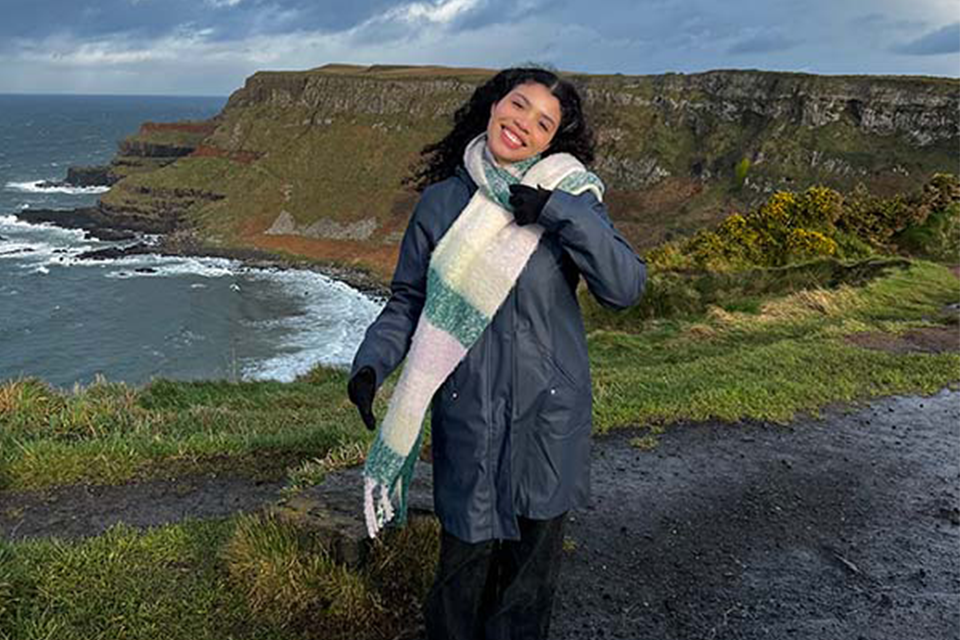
37,19
943,40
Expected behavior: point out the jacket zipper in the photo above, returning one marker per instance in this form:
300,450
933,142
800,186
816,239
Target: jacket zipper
514,400
489,402
513,355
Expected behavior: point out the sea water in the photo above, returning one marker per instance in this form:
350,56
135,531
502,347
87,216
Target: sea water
66,320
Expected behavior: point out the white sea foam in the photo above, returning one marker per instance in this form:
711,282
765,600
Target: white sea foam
13,223
41,243
14,249
48,244
164,266
33,186
328,332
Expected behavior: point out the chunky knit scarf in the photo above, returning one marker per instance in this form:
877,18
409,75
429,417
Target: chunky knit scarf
471,270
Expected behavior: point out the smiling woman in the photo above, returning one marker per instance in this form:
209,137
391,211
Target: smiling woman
484,314
523,123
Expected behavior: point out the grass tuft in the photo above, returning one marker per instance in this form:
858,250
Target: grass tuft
293,582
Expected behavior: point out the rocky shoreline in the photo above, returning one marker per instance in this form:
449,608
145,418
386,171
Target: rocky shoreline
183,242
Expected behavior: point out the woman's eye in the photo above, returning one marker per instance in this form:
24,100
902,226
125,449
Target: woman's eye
543,126
517,104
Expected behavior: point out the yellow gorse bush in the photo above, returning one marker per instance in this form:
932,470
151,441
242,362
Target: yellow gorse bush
803,243
818,221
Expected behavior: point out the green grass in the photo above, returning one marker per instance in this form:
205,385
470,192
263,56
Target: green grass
122,585
246,576
775,359
109,432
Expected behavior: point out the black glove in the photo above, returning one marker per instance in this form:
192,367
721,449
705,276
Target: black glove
361,389
527,202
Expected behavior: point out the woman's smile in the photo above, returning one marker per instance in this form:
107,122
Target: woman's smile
511,139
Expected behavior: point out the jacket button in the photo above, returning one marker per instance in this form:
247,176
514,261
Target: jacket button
454,395
553,391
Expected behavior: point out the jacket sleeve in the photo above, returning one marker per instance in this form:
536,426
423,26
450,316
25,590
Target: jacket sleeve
615,274
387,339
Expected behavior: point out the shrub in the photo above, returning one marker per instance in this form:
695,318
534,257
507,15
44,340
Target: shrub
805,244
822,222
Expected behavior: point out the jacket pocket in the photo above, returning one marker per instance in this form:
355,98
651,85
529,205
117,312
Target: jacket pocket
555,365
565,405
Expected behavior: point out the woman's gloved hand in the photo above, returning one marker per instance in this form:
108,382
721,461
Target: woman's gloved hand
361,389
527,202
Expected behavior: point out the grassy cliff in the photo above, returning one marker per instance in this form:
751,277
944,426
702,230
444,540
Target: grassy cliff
310,163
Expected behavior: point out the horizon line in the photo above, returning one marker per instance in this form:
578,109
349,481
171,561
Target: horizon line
114,95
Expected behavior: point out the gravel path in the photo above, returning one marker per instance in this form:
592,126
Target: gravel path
848,527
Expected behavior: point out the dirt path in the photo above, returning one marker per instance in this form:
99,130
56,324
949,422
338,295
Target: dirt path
846,528
81,510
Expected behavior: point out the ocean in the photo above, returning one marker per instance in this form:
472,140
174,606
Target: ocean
68,321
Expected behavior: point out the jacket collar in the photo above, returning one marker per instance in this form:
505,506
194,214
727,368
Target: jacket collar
465,176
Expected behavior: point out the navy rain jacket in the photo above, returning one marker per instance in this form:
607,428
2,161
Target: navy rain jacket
511,424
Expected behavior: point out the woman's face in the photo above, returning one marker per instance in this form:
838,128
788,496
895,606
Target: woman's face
523,122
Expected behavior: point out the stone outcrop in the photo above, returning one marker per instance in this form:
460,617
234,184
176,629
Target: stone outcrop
332,511
923,110
90,219
166,139
100,176
323,228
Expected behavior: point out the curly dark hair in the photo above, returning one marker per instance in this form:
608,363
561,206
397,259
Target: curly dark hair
439,160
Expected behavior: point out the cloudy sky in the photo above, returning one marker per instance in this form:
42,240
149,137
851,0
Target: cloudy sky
208,47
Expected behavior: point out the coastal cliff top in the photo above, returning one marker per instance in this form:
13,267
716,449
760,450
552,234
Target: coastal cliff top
411,72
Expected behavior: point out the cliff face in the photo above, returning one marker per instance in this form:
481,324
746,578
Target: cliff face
140,198
922,109
311,162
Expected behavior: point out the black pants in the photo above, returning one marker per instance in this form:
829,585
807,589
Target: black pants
496,589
